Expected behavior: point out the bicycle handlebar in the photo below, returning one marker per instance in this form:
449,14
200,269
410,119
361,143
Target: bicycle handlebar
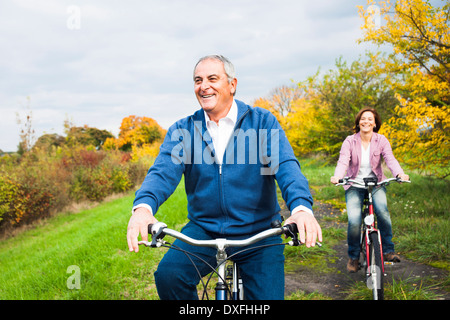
369,182
159,230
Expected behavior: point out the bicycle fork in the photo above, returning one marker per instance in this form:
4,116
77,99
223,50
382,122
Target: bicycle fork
367,244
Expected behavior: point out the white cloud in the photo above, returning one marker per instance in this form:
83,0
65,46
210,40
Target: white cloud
136,57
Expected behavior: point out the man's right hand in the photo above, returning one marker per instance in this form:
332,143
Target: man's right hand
138,224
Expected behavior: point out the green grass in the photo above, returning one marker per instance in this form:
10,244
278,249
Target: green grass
409,289
318,258
421,219
34,264
301,295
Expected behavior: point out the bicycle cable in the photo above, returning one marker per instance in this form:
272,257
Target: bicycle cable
234,254
213,270
192,262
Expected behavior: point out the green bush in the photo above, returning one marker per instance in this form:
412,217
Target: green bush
91,184
22,203
8,192
44,181
121,179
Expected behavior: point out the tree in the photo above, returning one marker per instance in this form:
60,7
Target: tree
303,129
319,114
86,136
136,131
280,101
419,35
336,97
48,141
27,132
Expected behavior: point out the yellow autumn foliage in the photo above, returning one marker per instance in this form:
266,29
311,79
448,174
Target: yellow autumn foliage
142,136
303,130
419,35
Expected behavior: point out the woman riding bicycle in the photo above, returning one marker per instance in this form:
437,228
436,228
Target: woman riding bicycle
360,157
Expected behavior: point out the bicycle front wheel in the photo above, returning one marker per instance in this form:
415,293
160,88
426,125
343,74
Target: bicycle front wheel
375,268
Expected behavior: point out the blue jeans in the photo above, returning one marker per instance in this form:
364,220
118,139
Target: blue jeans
354,198
262,270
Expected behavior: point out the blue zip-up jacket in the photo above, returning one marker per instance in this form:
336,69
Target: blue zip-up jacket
237,198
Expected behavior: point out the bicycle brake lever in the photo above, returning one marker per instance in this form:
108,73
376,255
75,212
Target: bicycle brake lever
292,231
156,230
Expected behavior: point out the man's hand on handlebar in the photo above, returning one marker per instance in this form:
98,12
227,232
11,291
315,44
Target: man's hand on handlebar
138,224
308,228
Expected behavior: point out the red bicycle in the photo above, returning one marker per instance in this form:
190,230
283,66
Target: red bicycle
371,247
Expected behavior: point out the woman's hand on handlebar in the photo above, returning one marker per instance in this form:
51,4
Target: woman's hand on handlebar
138,224
334,180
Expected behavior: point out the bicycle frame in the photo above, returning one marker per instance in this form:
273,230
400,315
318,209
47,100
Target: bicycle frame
222,287
159,230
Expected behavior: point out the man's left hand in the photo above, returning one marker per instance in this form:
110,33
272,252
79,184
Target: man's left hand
308,227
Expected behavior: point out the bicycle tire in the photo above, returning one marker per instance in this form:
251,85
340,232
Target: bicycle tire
375,279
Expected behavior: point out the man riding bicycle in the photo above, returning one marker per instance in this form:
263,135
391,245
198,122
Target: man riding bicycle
230,154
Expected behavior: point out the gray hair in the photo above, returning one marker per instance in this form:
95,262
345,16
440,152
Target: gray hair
227,65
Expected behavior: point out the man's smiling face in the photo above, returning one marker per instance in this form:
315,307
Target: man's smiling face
213,90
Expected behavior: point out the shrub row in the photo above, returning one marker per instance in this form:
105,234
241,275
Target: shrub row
41,182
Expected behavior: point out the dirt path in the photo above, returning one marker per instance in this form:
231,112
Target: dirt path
334,284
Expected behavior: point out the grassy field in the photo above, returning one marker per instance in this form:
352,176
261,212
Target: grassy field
45,262
84,255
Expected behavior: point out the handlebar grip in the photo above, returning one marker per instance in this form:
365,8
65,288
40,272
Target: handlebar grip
150,228
292,228
341,181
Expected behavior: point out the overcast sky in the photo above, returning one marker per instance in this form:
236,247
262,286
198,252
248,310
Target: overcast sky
96,62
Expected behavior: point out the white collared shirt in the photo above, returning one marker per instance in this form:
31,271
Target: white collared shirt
220,133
